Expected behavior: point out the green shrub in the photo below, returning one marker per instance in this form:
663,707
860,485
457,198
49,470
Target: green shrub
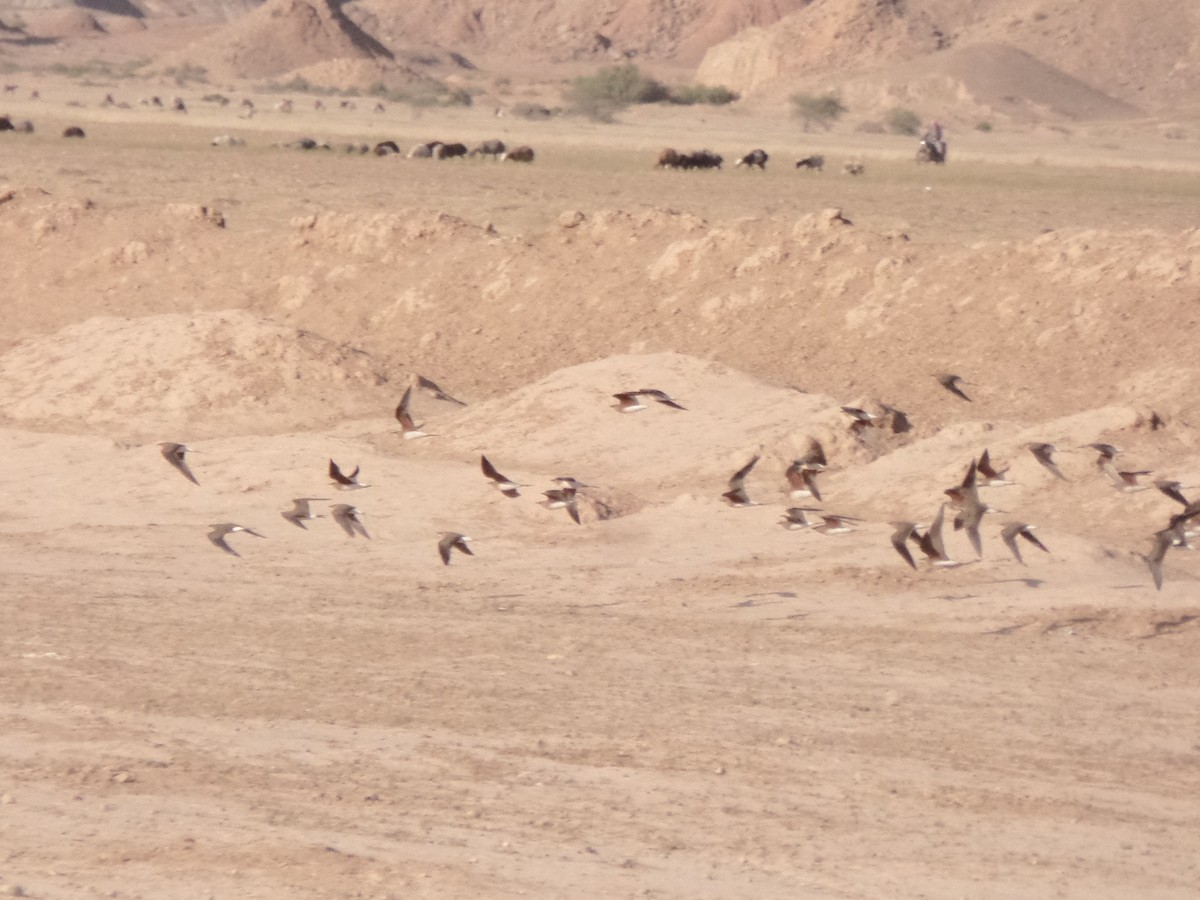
818,109
903,121
985,127
712,95
614,88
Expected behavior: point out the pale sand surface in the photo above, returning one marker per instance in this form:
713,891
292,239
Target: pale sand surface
676,699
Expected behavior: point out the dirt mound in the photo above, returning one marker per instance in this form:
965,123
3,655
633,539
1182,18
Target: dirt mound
187,374
66,23
990,81
282,36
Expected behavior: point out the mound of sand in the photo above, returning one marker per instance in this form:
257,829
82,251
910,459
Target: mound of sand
985,81
282,36
173,374
66,24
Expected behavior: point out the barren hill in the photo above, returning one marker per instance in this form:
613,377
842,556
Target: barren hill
1147,56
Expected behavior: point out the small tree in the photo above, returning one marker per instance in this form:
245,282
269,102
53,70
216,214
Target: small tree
819,109
612,89
903,121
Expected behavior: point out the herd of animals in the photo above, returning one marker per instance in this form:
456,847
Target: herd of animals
495,148
964,498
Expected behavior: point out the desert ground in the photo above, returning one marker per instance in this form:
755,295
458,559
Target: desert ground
675,698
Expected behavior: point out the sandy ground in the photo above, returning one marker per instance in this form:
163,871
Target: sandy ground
677,698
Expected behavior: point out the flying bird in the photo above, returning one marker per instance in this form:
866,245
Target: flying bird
175,454
736,495
1044,454
452,540
1174,490
1106,453
562,498
900,422
951,383
802,480
1012,531
403,415
347,516
988,474
796,517
1163,541
905,532
628,402
301,511
835,524
972,510
814,456
430,387
1125,482
506,486
934,546
218,533
661,397
859,418
345,482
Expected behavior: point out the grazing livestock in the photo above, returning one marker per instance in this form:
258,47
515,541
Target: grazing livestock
519,154
347,104
386,148
25,127
668,158
227,140
6,124
493,148
178,105
424,151
284,106
307,143
754,158
318,106
854,168
379,107
357,148
449,151
701,159
74,131
816,163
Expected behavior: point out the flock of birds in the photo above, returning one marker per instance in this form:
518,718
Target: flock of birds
964,498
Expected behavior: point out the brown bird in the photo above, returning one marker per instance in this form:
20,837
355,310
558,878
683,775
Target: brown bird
345,482
347,516
218,533
506,486
175,454
1012,531
736,495
410,429
951,383
900,422
431,388
989,476
932,544
1043,453
452,540
802,480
